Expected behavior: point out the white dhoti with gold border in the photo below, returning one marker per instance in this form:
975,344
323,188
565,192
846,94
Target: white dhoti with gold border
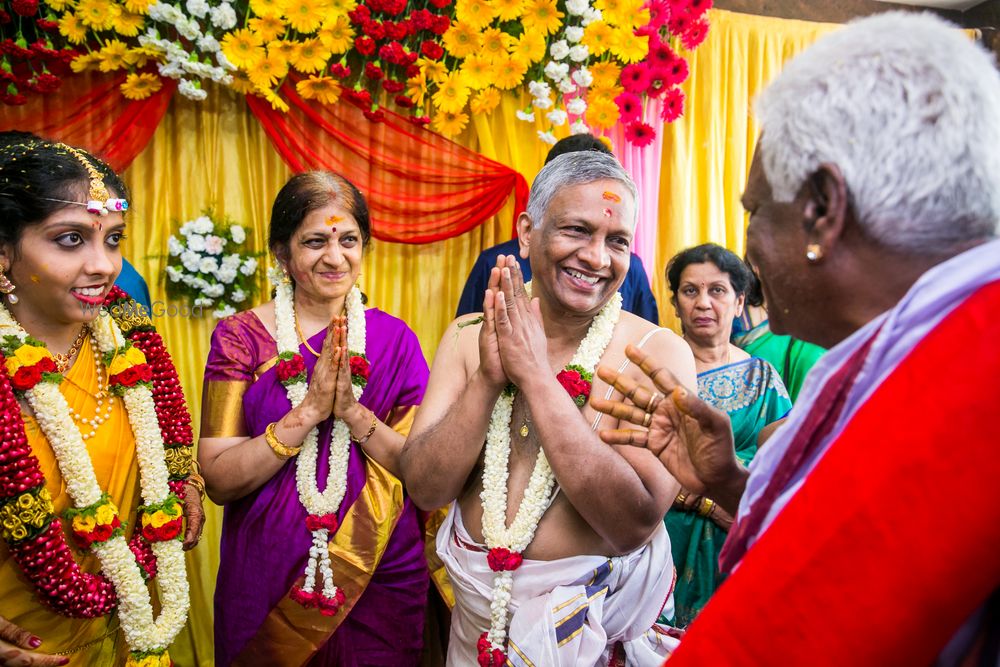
571,612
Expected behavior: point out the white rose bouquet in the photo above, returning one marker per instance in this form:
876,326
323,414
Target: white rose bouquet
210,265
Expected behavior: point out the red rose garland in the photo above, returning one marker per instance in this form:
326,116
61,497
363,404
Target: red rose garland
28,523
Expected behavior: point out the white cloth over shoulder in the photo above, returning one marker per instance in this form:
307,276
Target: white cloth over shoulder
564,613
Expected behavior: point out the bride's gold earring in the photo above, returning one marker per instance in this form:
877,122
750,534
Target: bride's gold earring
7,287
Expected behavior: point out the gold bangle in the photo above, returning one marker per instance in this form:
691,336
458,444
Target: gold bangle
706,507
198,482
362,440
280,449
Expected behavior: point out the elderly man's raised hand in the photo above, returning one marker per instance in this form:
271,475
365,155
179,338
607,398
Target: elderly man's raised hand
490,365
519,329
693,440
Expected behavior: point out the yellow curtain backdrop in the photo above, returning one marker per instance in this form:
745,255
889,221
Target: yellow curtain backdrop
214,154
707,152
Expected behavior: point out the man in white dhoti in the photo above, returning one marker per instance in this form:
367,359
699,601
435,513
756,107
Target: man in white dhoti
555,543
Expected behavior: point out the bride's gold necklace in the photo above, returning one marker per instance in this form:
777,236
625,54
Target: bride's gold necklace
64,361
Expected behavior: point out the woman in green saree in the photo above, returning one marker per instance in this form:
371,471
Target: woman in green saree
709,286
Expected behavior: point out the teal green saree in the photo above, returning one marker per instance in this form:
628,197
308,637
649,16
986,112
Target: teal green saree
752,394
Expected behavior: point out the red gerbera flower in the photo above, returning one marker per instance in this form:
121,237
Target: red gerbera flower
661,55
676,73
635,77
640,134
630,106
659,12
680,22
699,7
695,35
673,105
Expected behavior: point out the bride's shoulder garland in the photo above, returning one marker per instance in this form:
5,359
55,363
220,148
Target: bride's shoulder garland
141,372
506,544
322,506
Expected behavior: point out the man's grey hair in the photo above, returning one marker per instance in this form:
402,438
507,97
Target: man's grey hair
908,108
576,168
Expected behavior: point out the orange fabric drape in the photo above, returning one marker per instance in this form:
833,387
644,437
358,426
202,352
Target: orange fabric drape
90,111
420,186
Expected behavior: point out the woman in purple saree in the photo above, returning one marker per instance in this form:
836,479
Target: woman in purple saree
252,436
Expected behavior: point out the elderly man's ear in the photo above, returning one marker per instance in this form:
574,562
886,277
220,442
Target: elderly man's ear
826,206
524,228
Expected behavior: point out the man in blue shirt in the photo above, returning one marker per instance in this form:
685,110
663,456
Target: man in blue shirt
637,297
133,283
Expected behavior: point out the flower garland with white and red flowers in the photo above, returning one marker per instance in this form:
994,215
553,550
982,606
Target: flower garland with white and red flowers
506,544
321,505
161,426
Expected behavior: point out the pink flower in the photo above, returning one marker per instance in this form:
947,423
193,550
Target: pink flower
635,77
673,105
695,35
640,134
630,106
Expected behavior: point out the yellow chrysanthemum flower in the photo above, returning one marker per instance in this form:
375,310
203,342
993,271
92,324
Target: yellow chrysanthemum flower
268,70
485,101
266,7
337,35
602,113
144,54
84,524
606,74
138,6
243,48
268,27
72,28
140,86
477,71
129,24
434,70
106,514
311,56
242,83
495,43
416,88
449,124
452,93
84,62
98,14
60,5
283,47
542,15
619,12
475,13
305,16
508,10
115,55
326,89
629,47
509,73
462,40
274,99
342,6
135,356
597,37
530,48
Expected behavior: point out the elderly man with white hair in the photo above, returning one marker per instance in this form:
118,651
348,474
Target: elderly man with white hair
868,528
555,544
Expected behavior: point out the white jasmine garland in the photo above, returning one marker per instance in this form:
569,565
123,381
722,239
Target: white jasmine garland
579,53
135,609
496,471
557,117
576,106
547,137
316,501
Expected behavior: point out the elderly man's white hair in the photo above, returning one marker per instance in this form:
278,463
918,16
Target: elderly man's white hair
908,108
576,168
